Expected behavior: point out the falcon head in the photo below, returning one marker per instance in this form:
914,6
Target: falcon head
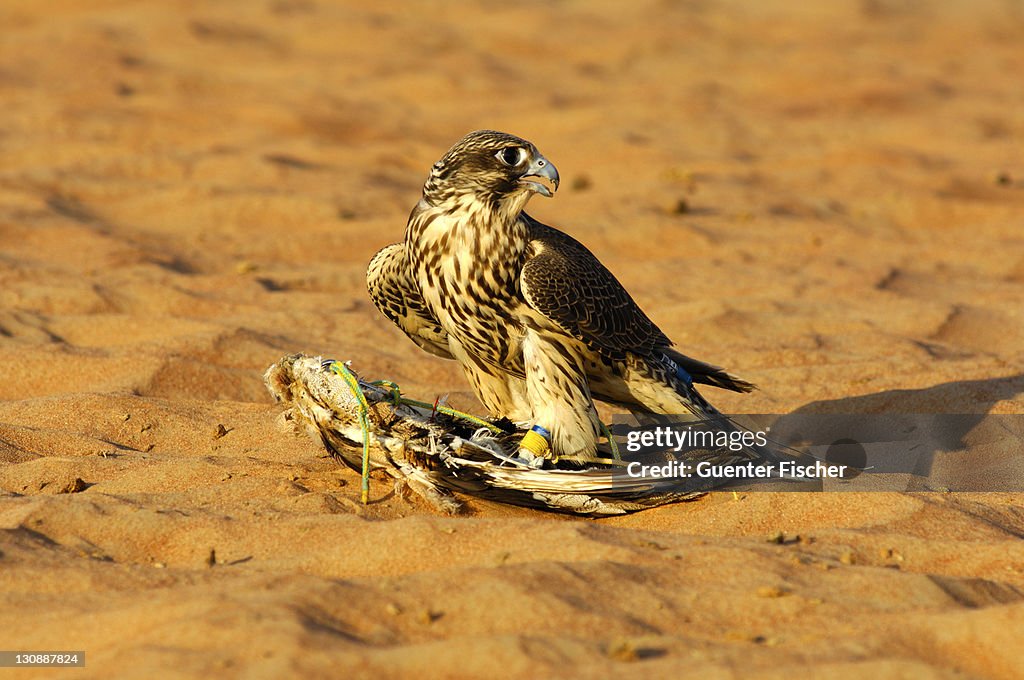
496,168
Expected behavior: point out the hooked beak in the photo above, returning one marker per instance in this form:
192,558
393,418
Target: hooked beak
541,167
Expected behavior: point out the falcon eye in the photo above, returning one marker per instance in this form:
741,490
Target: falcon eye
511,155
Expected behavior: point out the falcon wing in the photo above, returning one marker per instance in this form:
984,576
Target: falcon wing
567,284
393,290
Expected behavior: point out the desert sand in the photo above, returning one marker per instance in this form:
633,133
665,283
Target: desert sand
828,199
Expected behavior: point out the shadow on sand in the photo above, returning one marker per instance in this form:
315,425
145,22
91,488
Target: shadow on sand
935,438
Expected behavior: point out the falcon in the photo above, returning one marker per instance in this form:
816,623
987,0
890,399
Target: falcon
539,325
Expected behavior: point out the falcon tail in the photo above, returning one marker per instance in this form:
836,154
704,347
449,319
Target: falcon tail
706,374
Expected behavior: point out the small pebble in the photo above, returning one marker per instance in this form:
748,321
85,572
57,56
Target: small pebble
622,650
771,591
428,616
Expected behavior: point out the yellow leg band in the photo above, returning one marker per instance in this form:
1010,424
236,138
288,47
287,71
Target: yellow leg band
535,443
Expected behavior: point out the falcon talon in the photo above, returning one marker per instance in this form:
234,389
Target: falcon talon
516,461
527,458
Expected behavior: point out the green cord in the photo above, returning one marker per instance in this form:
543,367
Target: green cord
611,442
396,395
364,410
396,392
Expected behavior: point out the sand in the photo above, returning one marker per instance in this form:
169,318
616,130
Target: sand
828,200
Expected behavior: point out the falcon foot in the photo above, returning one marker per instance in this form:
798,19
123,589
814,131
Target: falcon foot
528,459
523,460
